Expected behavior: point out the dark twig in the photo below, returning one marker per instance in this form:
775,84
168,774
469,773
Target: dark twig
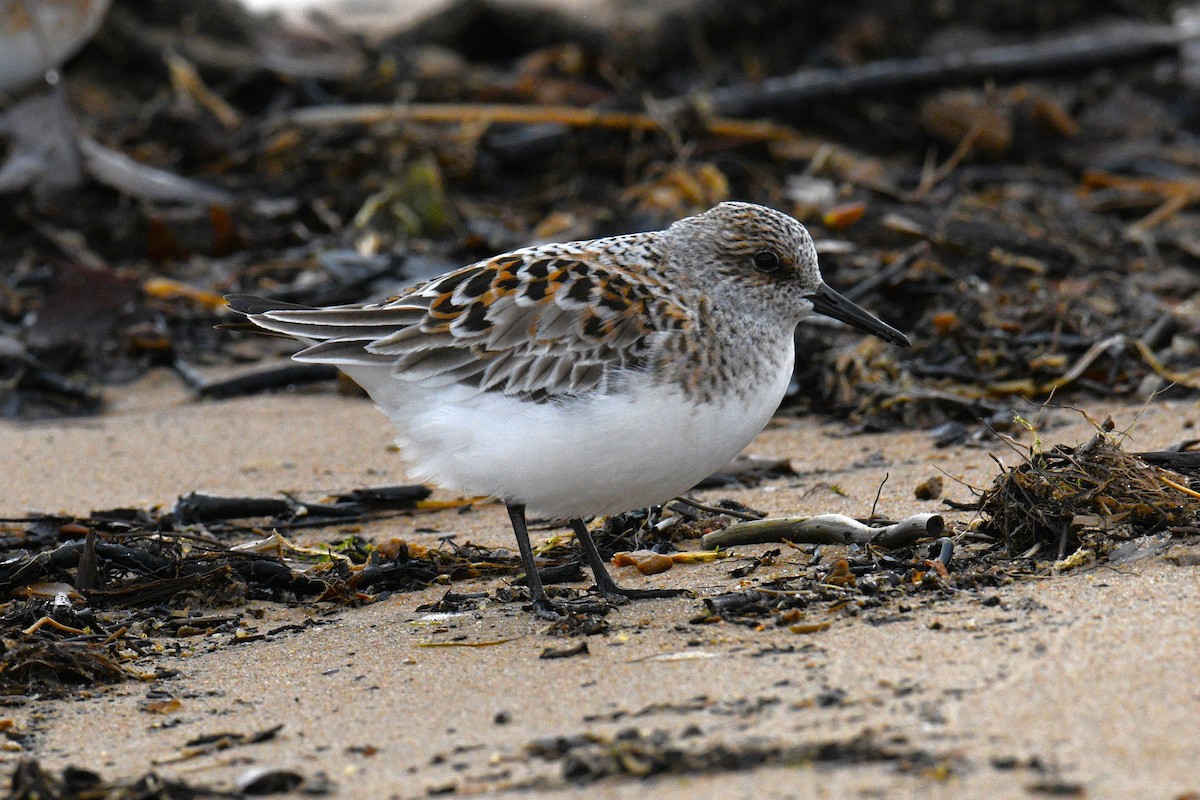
87,574
885,276
879,492
267,380
1057,54
718,509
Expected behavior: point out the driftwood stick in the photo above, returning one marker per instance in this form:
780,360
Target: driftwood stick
826,529
1058,54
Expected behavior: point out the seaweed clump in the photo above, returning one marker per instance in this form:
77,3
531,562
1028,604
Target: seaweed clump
1085,496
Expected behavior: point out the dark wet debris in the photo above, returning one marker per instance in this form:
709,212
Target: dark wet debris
209,743
453,602
748,470
356,505
633,753
30,781
580,649
1060,508
260,380
1012,187
868,582
92,599
662,529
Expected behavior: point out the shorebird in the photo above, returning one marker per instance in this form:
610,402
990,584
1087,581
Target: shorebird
586,378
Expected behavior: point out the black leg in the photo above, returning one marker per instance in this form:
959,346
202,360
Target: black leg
612,591
541,605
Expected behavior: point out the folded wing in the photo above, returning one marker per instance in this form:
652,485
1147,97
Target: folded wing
539,323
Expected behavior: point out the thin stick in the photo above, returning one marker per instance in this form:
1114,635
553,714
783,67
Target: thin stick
484,113
718,510
932,179
878,492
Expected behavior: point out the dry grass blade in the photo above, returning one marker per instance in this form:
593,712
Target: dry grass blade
483,113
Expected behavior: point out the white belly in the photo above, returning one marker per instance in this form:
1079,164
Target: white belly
598,455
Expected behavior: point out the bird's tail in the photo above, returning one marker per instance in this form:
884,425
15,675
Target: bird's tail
334,335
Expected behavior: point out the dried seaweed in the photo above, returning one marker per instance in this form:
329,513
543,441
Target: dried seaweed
1087,496
48,664
31,782
634,753
85,598
870,583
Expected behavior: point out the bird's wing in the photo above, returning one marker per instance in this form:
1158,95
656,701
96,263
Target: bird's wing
539,322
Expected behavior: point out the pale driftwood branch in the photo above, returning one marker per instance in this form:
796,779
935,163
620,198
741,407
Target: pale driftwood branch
827,529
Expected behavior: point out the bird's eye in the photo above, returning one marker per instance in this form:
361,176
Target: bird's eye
766,261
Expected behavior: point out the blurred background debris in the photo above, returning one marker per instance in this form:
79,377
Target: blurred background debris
1014,185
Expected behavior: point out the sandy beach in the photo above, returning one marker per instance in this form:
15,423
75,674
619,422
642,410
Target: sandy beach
1075,684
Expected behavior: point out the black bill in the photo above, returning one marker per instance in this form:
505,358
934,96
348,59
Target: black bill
828,302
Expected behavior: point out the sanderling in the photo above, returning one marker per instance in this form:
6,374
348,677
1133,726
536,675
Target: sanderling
586,378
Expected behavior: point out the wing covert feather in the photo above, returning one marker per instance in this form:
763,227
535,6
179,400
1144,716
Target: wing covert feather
541,322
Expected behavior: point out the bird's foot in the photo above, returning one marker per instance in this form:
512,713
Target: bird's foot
548,610
563,609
